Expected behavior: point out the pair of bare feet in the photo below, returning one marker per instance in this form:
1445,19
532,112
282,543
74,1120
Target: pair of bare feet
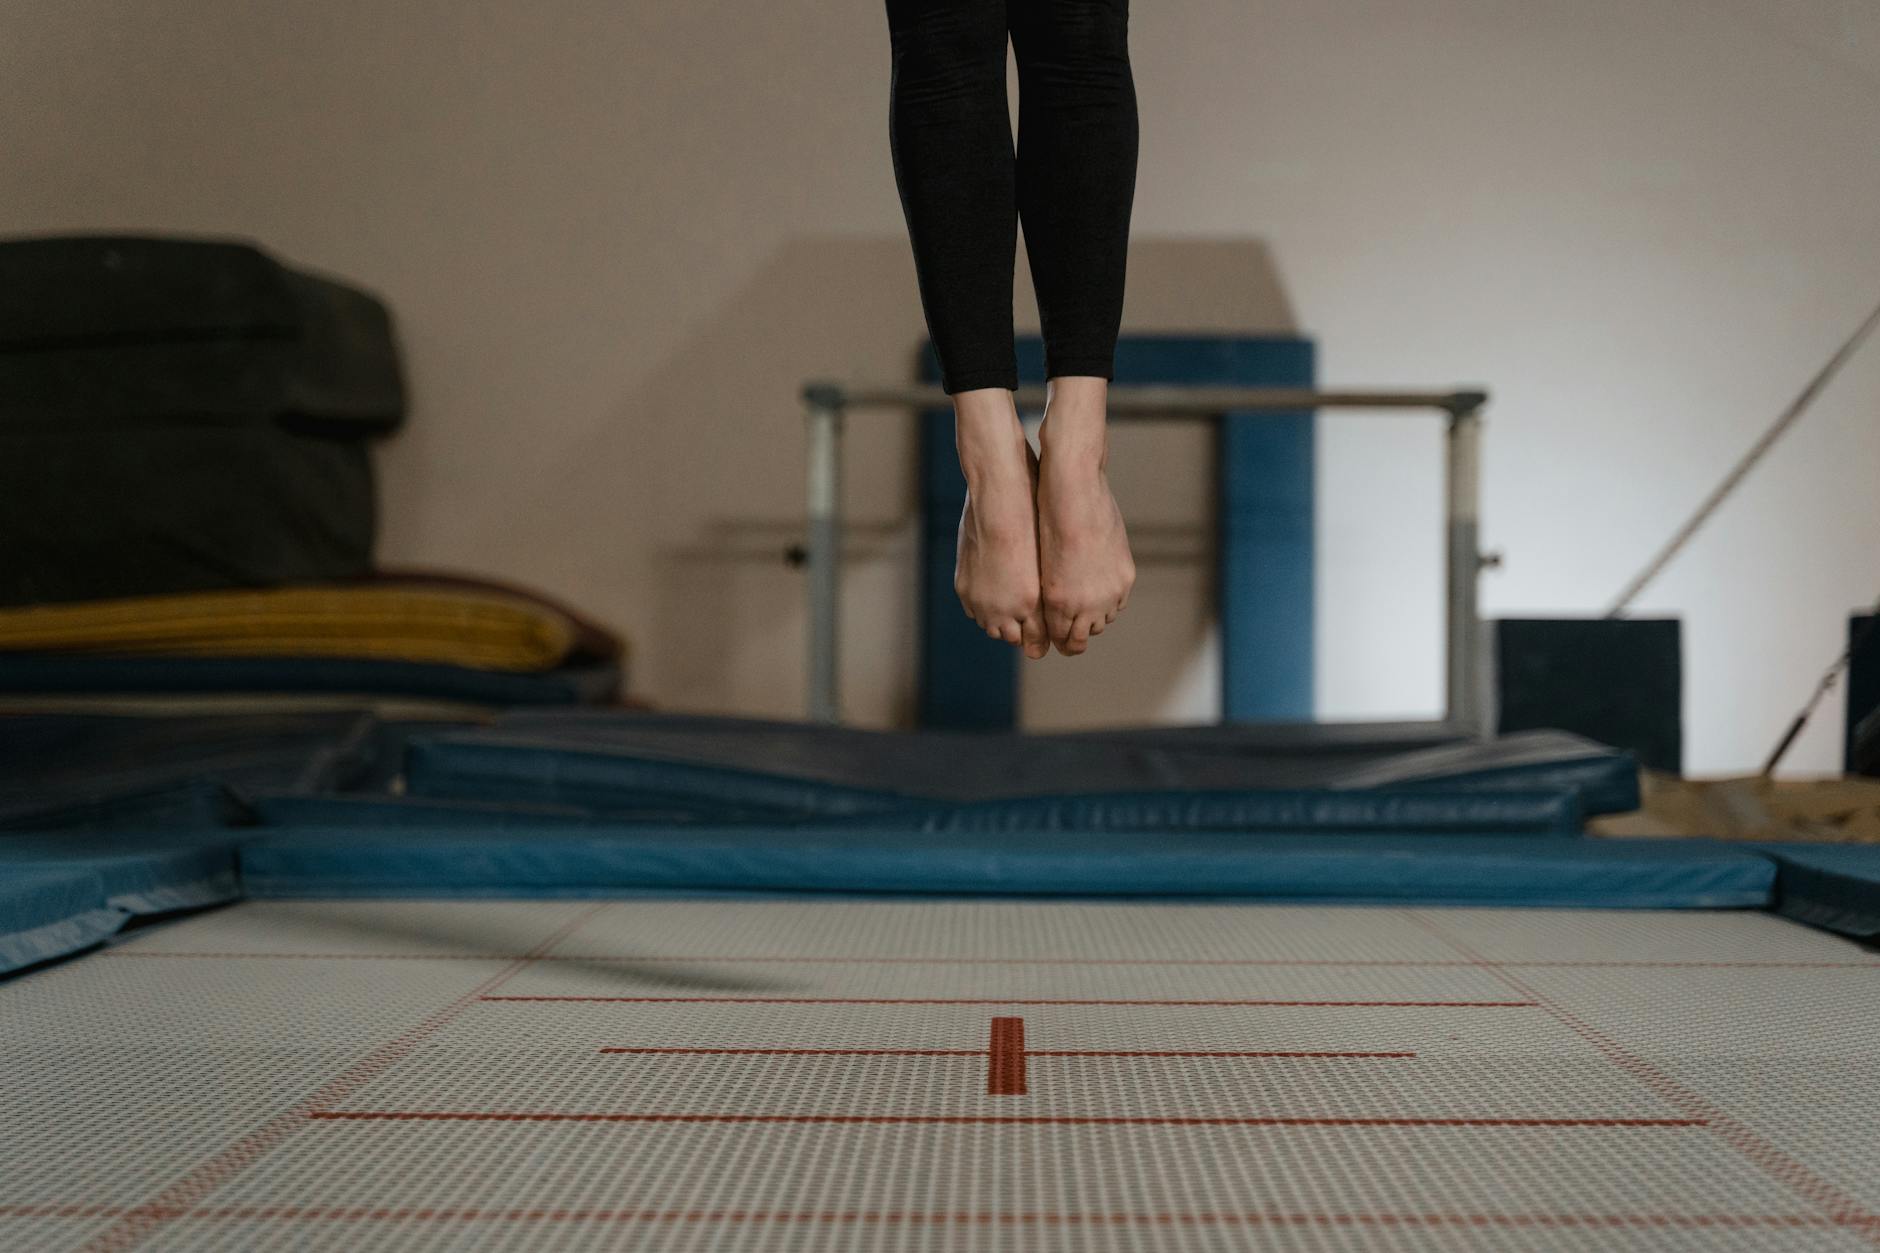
1044,560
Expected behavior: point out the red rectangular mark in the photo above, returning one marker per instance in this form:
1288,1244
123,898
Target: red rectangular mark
1005,1058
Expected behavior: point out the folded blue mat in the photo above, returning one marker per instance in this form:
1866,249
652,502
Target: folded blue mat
1833,886
58,674
1501,813
630,860
299,809
51,913
140,874
1404,812
103,772
613,764
471,767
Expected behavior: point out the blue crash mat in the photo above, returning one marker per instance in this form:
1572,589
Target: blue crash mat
623,761
1833,886
51,913
559,861
493,769
1499,813
137,874
103,772
296,809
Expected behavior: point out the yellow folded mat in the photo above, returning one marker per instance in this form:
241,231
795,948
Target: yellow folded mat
481,629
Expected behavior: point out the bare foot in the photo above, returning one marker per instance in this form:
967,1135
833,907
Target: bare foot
996,575
1087,570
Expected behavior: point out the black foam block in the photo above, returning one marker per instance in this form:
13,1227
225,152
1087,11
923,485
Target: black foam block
1619,682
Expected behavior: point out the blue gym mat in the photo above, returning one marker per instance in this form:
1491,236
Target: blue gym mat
1835,886
630,761
139,874
1399,812
560,862
593,803
63,892
51,913
101,772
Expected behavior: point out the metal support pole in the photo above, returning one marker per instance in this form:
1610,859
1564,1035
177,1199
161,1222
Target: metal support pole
1463,571
825,554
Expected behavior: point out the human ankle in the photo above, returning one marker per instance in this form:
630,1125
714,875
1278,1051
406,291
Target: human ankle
1074,442
990,442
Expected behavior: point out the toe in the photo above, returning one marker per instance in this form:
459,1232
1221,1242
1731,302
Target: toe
1059,621
1031,631
1008,630
1077,640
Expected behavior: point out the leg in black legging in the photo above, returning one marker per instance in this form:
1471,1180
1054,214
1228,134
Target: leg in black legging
1076,180
1076,172
1043,557
950,135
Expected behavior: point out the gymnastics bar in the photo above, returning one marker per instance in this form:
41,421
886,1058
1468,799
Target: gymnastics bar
827,403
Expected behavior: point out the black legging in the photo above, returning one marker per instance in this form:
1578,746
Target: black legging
963,192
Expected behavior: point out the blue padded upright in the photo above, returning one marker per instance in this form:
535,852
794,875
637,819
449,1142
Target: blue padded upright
1833,886
966,680
628,860
1265,524
51,913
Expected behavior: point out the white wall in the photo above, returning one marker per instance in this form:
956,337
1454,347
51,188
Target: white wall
620,234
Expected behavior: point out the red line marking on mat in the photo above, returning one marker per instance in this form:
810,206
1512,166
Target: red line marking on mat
1772,1161
1005,1058
756,1052
1029,1053
1069,1120
1320,1056
963,1218
997,1000
757,960
140,1223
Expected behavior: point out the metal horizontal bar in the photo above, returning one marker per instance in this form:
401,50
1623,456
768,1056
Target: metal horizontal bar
1157,401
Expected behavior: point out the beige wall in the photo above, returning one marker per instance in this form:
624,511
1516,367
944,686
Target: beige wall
619,234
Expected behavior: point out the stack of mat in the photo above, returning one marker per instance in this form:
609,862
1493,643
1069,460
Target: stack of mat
416,638
105,820
187,504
